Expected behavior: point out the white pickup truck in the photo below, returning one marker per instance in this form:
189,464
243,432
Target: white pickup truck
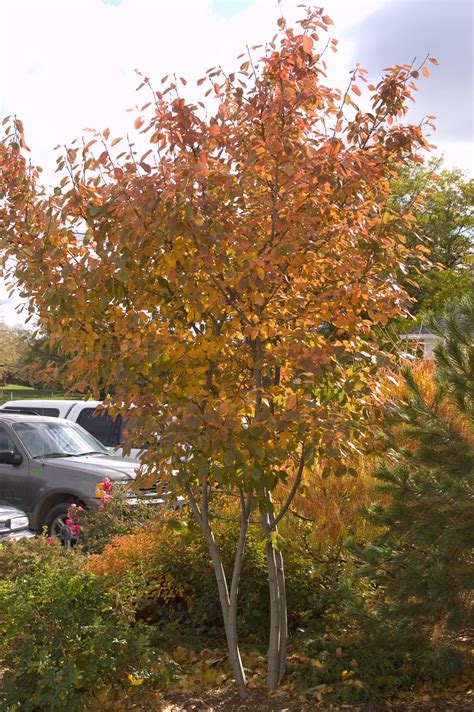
107,430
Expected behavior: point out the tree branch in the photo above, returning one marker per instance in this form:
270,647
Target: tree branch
292,492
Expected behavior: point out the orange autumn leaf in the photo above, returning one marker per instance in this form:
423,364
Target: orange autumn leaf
307,44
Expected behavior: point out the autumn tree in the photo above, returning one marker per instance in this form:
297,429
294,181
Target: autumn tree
11,357
226,280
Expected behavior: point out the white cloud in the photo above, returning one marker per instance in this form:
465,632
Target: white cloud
8,308
68,64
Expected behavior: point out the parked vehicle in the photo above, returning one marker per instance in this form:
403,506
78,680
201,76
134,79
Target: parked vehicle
13,523
48,463
107,430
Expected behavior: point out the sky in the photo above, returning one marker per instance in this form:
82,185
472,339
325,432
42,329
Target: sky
70,64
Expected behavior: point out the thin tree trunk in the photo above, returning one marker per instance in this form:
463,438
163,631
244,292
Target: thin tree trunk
275,560
229,612
228,603
275,612
283,616
278,640
246,508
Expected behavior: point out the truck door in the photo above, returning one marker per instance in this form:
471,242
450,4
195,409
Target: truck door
14,479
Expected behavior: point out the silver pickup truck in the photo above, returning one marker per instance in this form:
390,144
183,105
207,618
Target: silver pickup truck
46,464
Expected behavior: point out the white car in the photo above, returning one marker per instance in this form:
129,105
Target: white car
107,430
13,523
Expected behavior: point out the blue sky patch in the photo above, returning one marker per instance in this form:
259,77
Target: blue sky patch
224,9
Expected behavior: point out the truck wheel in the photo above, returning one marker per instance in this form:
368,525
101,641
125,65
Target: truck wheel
56,524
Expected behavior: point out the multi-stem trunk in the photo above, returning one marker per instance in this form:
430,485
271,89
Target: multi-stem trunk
278,608
276,580
229,614
228,598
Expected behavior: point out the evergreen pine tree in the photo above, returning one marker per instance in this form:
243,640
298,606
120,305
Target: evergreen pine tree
420,565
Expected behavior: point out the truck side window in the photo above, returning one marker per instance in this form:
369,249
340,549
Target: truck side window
6,443
102,427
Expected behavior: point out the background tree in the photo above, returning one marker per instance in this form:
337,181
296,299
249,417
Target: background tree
11,354
42,363
442,202
228,281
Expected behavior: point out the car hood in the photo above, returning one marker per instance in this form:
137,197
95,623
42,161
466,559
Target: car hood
6,511
115,468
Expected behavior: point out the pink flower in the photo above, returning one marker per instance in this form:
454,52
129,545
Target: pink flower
75,530
74,509
208,570
107,485
106,498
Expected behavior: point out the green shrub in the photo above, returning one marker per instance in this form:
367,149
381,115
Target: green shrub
66,634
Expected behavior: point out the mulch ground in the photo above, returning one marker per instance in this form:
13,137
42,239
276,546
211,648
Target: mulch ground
259,701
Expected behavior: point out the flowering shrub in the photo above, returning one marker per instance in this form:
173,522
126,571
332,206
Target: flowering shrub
107,488
115,517
73,512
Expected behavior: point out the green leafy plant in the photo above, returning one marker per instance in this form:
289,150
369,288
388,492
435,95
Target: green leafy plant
178,573
67,635
354,654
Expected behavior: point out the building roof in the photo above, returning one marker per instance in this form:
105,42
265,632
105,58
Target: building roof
423,330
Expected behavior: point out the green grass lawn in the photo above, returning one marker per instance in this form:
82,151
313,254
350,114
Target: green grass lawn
15,392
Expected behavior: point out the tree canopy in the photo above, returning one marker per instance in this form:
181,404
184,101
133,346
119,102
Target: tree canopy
227,280
444,222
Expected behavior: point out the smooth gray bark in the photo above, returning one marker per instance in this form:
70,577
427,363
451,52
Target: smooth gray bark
228,600
277,608
283,616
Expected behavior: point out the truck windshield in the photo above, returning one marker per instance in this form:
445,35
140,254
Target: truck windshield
57,440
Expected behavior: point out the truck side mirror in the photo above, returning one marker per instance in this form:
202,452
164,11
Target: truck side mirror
10,457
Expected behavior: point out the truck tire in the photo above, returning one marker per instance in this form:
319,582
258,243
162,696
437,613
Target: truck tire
55,522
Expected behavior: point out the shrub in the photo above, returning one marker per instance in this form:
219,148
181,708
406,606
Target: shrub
66,634
115,517
180,582
422,555
355,655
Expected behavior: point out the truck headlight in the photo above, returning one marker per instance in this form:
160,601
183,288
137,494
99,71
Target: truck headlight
18,522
